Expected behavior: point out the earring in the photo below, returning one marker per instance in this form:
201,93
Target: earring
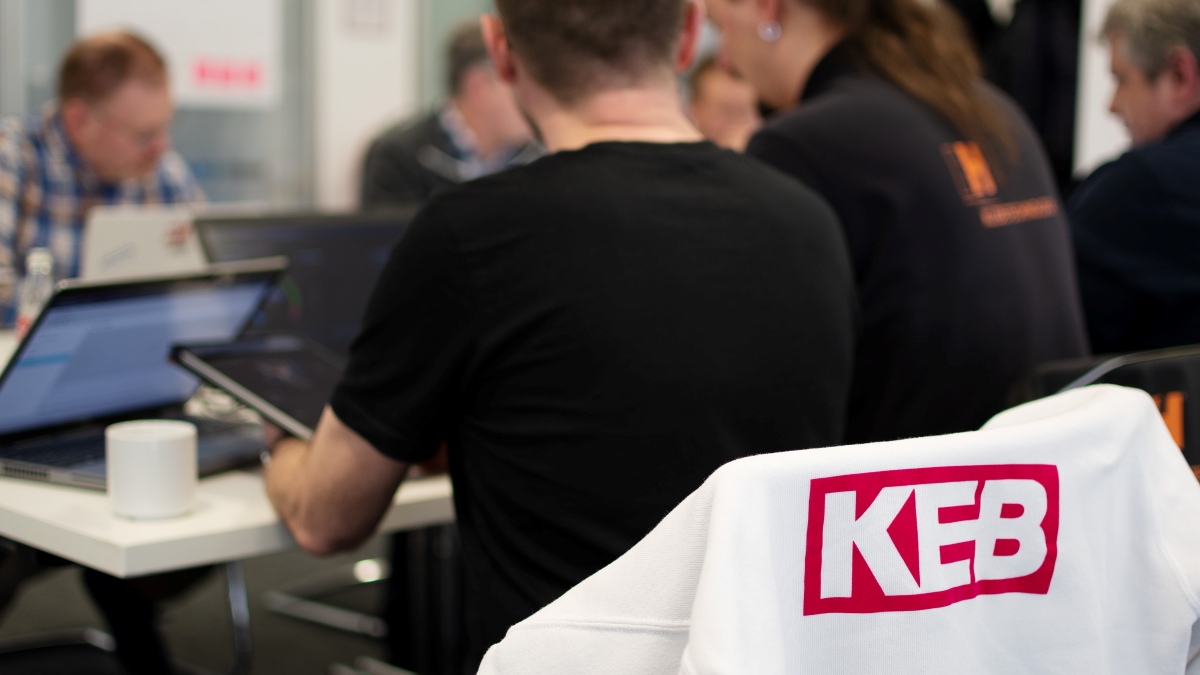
769,31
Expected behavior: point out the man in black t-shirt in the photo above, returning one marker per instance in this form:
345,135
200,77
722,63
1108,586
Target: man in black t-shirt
592,334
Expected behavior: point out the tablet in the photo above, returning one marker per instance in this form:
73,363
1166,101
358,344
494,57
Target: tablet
286,379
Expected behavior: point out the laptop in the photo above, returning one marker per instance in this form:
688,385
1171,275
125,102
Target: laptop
99,353
126,241
335,261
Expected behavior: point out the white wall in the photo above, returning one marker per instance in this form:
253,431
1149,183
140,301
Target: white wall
1099,135
367,76
221,53
12,58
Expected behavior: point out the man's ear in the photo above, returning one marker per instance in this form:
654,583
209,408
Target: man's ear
497,46
689,40
1184,71
75,114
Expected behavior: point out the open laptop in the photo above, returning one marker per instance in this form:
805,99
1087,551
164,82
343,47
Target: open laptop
99,353
335,261
124,241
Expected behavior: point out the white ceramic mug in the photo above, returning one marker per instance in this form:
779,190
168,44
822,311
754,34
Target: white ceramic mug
151,468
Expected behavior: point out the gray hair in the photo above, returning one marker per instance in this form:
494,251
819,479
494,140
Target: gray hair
1152,29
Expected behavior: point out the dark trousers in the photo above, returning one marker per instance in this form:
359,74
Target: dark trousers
130,606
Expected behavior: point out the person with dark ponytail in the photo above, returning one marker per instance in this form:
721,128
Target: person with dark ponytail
947,201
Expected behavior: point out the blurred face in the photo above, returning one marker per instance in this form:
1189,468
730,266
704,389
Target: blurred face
738,21
725,109
777,69
499,120
124,136
1145,105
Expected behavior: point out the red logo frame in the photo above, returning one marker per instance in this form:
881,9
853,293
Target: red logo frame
867,595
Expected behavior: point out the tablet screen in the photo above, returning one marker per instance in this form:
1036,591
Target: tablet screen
285,372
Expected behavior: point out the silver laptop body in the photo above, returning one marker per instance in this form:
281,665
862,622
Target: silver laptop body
99,353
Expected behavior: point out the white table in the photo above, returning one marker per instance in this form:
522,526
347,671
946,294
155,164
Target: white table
233,521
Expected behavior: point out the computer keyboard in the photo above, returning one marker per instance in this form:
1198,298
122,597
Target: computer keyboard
61,452
77,449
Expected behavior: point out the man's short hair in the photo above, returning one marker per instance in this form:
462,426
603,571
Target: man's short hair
465,50
577,47
95,67
1152,29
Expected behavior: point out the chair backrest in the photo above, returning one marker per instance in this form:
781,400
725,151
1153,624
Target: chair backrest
1062,537
1171,376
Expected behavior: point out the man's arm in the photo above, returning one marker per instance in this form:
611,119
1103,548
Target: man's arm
332,492
396,400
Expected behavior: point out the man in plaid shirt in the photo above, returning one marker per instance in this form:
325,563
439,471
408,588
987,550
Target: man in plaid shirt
104,141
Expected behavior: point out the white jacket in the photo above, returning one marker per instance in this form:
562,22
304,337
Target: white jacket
1064,537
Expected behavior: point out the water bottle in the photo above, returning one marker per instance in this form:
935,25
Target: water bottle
36,288
8,289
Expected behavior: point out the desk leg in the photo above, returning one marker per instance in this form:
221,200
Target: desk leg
239,611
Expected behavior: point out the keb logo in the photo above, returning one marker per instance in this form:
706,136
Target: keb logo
896,541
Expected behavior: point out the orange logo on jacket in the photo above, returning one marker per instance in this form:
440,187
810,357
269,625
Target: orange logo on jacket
1171,407
971,171
977,185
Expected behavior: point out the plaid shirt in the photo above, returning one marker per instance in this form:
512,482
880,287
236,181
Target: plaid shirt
46,191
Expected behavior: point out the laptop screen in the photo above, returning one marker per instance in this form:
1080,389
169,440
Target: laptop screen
334,264
103,350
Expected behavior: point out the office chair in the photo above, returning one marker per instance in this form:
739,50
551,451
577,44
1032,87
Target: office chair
421,624
80,652
1061,537
1170,376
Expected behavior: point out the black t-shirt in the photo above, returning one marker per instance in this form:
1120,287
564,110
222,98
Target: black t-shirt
1136,223
965,270
594,334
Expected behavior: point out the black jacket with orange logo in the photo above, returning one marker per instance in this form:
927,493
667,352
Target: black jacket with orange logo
964,268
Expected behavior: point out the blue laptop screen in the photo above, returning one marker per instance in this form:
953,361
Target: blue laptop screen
105,351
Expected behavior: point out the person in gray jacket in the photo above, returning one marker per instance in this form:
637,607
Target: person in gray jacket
476,132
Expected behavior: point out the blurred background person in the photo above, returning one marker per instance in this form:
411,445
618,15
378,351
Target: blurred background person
1136,221
1034,58
105,140
949,206
478,131
723,106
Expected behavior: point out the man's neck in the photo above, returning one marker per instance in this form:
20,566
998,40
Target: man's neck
1192,119
649,114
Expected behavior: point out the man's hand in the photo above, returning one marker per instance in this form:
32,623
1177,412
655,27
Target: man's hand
271,435
333,492
1196,470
